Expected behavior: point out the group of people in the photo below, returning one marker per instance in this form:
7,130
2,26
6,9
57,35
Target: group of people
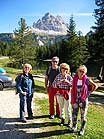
70,93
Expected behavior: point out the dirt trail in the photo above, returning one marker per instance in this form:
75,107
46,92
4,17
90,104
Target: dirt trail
10,127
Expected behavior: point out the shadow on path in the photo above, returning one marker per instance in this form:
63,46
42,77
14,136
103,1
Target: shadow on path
11,128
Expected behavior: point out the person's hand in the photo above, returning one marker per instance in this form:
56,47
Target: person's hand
80,104
46,88
66,81
24,93
33,93
75,105
63,80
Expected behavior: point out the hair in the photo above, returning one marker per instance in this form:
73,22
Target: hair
27,65
65,65
55,57
82,67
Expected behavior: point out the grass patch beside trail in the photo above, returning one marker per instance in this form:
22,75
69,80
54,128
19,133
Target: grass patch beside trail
52,130
39,86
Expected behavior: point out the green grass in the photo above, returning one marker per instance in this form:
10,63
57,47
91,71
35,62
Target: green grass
4,61
10,71
13,72
52,130
39,86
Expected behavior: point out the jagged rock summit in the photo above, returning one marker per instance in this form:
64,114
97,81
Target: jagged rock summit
50,24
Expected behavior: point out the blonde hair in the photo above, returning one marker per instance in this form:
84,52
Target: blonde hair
82,67
27,65
65,65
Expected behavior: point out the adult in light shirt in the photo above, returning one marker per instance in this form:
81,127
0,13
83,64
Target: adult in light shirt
63,83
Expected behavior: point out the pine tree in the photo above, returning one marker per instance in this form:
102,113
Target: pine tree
99,31
77,52
23,50
71,32
68,44
99,36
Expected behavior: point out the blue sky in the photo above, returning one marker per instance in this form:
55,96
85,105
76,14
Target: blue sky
31,10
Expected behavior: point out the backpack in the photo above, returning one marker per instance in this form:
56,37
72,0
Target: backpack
17,80
50,68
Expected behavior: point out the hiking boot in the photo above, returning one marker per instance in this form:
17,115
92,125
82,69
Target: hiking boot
62,122
51,117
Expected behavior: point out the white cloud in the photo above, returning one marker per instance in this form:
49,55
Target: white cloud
83,14
75,14
60,14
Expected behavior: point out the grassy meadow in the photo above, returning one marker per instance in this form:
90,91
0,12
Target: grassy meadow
52,130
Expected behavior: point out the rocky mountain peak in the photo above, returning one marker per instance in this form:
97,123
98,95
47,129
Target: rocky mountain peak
49,22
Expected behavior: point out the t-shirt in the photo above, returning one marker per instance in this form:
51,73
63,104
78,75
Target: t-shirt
79,87
52,74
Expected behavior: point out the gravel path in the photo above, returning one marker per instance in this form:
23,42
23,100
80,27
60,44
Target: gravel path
10,127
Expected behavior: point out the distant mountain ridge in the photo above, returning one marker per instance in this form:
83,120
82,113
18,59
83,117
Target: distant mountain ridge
6,37
49,23
47,28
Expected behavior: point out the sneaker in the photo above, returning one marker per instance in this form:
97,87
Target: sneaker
57,116
51,117
29,117
62,122
81,132
23,120
73,129
68,123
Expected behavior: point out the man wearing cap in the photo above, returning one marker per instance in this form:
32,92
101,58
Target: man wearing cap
51,72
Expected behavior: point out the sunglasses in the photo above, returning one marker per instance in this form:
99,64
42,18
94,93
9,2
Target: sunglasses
26,67
64,68
81,71
55,61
